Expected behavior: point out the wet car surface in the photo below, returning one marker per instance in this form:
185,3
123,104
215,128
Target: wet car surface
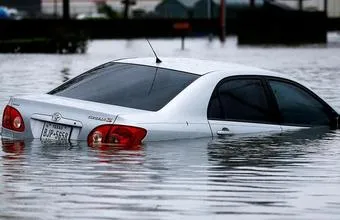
130,101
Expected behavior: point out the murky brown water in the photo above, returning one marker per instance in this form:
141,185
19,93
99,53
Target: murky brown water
292,176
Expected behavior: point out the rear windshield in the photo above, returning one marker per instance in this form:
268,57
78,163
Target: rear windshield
128,85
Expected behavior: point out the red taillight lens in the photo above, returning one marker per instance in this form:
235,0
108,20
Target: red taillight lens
116,134
12,119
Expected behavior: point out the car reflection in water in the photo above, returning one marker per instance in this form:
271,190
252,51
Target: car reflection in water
210,176
268,150
117,154
13,149
266,170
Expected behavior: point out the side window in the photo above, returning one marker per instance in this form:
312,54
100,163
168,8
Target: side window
298,106
240,99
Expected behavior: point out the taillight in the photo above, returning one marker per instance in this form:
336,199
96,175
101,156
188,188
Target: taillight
122,135
12,119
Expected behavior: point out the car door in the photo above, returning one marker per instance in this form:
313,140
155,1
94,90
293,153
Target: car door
242,105
299,107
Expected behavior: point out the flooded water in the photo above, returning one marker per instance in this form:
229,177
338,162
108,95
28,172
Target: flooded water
290,176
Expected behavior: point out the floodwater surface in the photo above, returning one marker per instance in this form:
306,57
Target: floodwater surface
289,176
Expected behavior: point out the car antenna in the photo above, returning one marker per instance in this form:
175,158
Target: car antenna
157,59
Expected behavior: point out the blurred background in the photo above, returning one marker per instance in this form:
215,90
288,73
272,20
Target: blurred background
65,26
80,9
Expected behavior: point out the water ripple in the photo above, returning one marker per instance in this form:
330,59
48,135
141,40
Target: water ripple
290,176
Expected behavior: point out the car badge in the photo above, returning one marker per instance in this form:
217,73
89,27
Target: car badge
56,116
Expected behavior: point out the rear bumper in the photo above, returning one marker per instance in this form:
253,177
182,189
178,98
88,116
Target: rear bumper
8,134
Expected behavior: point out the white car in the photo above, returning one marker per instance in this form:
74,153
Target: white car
129,101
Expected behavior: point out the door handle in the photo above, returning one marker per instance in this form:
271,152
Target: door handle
224,131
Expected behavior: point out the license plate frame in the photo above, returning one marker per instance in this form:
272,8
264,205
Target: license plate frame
55,132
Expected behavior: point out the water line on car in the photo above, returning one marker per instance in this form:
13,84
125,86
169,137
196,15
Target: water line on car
212,134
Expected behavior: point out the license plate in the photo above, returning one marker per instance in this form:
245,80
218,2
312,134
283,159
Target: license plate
55,132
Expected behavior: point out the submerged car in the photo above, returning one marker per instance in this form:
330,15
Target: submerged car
130,101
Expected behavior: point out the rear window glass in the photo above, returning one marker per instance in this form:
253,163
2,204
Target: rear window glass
128,85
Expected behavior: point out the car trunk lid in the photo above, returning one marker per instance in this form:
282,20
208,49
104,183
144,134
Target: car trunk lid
48,112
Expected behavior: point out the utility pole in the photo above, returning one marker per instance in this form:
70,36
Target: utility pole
209,16
66,9
252,3
222,17
300,5
127,4
209,9
325,5
55,8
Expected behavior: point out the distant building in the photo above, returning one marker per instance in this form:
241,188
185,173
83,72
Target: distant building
333,7
89,6
199,8
172,9
30,6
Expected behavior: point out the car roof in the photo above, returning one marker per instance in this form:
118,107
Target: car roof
200,67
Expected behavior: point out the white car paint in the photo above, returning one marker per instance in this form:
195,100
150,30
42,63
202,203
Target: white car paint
185,116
